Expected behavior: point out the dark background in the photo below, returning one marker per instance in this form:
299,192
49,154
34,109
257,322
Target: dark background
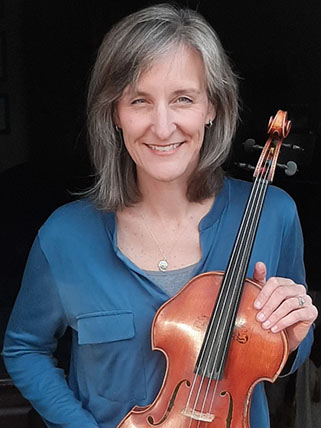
47,50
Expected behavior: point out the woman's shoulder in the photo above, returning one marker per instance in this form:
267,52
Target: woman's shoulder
279,210
71,211
74,217
279,207
275,195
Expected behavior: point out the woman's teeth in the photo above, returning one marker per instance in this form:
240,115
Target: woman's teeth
165,148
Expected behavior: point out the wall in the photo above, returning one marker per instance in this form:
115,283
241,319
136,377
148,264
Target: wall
13,143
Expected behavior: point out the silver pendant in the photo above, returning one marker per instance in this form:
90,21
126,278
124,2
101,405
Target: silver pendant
163,265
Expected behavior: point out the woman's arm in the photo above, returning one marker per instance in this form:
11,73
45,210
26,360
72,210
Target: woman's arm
283,302
36,323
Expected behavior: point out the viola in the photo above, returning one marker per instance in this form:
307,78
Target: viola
216,351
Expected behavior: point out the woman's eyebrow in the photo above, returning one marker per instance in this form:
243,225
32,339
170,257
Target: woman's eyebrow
139,92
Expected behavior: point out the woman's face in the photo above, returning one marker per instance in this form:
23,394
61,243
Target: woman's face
163,117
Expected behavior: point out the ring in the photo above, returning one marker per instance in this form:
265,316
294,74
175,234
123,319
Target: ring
301,301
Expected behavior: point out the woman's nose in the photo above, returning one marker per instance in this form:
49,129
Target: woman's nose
163,122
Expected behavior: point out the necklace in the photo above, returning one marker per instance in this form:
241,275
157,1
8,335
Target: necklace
163,263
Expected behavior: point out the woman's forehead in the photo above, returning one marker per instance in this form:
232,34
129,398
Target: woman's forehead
179,63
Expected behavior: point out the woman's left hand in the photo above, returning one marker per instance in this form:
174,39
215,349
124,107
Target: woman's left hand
283,304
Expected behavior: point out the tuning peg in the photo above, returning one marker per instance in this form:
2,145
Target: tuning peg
250,145
290,168
245,166
293,147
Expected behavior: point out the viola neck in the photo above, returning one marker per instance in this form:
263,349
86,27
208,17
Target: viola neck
212,357
242,248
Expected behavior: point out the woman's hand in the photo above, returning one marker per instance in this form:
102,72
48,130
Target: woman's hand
283,304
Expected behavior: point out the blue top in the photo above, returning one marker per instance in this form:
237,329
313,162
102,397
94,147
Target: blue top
76,276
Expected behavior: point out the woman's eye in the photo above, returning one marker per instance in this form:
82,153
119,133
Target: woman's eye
184,100
139,101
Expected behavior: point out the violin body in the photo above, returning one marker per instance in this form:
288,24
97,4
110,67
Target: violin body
254,355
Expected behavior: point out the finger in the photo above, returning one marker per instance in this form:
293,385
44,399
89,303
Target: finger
291,310
275,291
259,274
301,316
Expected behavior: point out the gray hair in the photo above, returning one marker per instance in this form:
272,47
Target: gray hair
127,50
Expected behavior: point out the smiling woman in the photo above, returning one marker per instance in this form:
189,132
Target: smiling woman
163,117
129,51
162,111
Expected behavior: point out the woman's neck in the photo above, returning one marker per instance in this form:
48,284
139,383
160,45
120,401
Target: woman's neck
165,200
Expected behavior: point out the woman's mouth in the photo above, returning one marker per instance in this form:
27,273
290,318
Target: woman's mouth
167,148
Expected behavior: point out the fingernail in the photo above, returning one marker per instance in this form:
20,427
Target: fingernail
260,316
275,329
257,304
266,324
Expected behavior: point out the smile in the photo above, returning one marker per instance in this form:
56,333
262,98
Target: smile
165,148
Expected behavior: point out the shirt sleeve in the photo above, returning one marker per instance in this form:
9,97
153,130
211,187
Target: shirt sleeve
291,265
35,324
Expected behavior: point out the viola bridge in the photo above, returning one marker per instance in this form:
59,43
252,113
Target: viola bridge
198,416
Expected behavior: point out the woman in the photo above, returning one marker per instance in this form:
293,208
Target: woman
162,113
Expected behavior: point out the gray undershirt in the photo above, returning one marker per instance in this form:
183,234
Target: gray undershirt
173,280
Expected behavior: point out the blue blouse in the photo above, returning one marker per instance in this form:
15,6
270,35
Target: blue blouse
76,276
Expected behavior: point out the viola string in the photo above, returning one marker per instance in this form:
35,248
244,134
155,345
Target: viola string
243,248
202,356
201,383
232,300
247,216
258,196
204,371
261,189
231,271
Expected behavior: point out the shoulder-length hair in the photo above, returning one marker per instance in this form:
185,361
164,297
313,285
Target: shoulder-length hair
127,50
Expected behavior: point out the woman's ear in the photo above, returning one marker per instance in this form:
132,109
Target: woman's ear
116,120
211,115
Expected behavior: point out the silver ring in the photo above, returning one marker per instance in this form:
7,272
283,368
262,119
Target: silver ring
301,301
